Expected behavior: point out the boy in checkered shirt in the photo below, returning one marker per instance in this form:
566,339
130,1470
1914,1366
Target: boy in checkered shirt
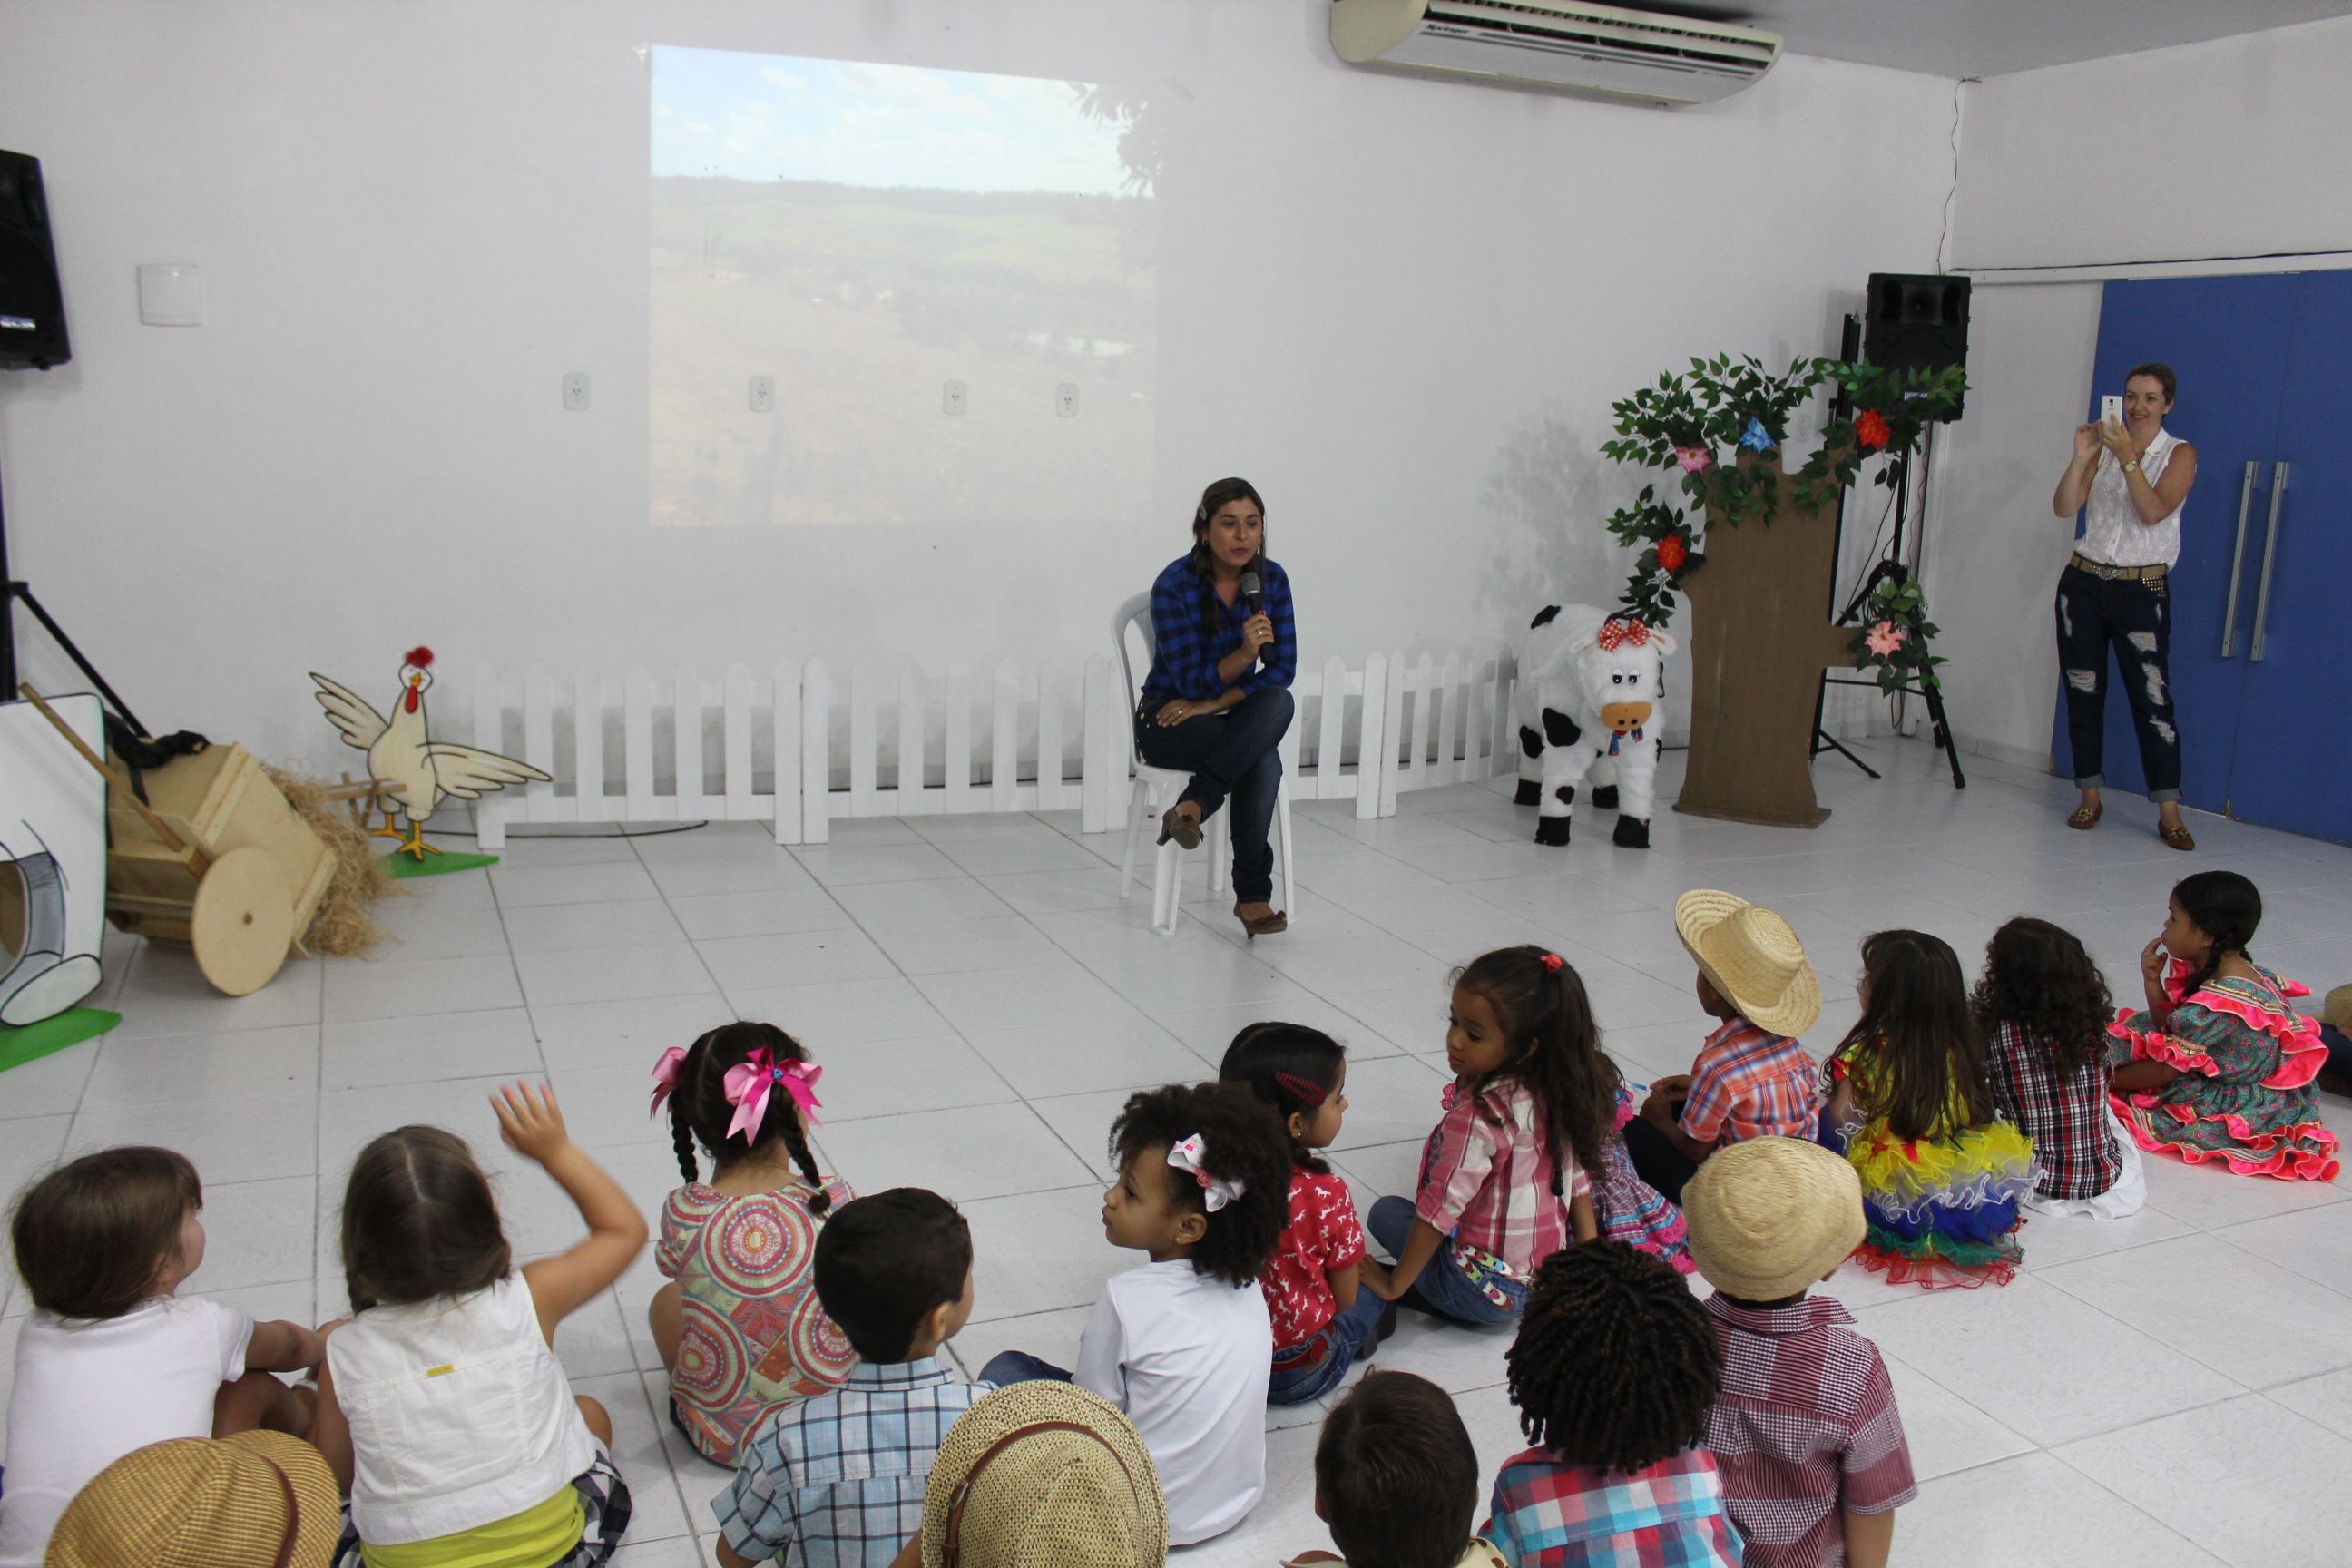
843,1473
1805,1431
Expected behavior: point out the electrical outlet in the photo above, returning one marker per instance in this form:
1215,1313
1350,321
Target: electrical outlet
575,390
764,394
1065,400
952,397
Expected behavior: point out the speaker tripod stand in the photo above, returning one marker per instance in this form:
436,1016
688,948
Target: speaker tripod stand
14,592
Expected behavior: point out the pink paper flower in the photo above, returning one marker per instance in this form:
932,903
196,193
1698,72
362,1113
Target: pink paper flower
1885,639
1693,459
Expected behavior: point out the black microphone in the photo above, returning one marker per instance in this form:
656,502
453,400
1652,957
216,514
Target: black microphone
1253,593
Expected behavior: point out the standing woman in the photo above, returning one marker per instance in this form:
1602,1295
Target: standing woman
2129,481
1217,701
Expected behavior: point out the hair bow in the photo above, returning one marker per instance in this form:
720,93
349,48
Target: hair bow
1615,633
1553,963
1300,1089
666,1068
748,1085
1185,1154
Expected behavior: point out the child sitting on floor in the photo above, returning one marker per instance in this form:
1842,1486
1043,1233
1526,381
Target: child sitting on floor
112,1357
441,1405
738,1325
1503,1182
1805,1430
1752,1080
1324,1321
1396,1480
842,1473
1182,1344
2044,1010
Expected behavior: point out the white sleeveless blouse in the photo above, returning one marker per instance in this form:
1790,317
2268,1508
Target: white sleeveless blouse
2112,530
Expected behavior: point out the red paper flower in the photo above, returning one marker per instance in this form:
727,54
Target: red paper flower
1672,554
1871,430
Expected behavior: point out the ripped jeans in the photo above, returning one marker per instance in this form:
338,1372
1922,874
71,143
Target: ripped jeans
2135,619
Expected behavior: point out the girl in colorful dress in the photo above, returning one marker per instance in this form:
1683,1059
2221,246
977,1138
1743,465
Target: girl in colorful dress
1941,1176
739,1327
1503,1179
2218,1067
1324,1321
1630,1210
2044,1010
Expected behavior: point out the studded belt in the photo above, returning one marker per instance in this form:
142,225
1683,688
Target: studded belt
2112,574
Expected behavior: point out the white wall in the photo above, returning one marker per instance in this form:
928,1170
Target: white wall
2233,148
1401,306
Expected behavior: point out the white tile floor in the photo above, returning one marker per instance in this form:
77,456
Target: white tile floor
2172,1389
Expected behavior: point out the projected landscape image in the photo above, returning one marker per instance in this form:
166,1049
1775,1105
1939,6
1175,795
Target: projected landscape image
866,235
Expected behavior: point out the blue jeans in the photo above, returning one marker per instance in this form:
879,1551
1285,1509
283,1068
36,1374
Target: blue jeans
2095,614
1299,1376
1007,1367
1230,754
1442,1289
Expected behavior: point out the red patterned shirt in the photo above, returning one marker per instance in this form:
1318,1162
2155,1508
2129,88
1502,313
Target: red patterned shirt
1749,1083
1806,1427
2074,1137
1321,1238
1486,1179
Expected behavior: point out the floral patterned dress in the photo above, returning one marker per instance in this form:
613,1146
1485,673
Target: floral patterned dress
1629,1209
2245,1095
753,1334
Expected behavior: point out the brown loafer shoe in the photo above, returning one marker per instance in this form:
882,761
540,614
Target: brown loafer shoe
2087,815
1180,825
2178,837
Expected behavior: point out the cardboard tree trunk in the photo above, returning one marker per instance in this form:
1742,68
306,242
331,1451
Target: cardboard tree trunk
1760,638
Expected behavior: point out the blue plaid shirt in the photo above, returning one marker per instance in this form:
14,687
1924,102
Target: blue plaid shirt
1191,629
838,1478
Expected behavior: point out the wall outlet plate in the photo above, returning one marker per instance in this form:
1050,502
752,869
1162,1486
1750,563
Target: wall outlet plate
764,394
575,390
1065,400
952,397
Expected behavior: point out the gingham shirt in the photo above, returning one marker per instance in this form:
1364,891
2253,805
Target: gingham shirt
1549,1514
1191,629
1749,1083
1485,1179
2074,1137
838,1478
1806,1427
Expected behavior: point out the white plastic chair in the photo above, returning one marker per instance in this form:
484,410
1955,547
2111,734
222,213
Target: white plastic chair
1157,789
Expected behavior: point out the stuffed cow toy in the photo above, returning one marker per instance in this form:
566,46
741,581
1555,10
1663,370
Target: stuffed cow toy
1591,707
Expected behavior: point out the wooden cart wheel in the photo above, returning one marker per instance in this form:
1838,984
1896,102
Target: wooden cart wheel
242,921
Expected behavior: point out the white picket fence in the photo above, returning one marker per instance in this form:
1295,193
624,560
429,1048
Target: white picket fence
793,749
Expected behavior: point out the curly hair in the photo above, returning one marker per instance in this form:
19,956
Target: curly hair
1546,1015
1264,1055
699,1110
2227,907
1241,1142
2039,977
1932,1056
1615,1363
1395,1474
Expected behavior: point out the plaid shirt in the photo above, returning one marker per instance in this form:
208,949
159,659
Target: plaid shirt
1549,1514
838,1478
1747,1083
2074,1137
1191,629
1487,1181
1806,1427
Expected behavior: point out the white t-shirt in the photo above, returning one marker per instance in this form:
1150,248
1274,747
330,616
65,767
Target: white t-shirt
1188,1358
90,1391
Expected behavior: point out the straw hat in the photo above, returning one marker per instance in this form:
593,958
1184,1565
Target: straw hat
1043,1475
1753,957
1768,1216
258,1499
2337,1010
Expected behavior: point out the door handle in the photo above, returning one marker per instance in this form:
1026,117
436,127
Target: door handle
2269,549
2238,559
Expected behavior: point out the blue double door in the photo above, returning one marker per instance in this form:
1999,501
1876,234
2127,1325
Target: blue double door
2261,598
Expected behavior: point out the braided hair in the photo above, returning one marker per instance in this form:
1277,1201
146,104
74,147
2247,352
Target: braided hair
699,1111
2227,907
1615,1362
1539,1000
1291,1068
2039,977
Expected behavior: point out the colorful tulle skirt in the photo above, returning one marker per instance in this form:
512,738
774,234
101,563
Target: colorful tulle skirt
1629,1208
1943,1212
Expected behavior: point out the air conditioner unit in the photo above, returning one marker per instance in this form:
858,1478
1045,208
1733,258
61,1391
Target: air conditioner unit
1557,43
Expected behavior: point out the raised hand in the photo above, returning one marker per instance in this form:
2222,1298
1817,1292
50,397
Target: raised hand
530,1122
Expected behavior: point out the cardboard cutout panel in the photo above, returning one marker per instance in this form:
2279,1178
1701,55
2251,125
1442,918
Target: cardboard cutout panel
53,831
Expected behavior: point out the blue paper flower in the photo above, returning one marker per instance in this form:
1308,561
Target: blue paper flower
1757,439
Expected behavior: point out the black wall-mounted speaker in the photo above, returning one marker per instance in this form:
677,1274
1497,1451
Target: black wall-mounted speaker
32,308
1916,321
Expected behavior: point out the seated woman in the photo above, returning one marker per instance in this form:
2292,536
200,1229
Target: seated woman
1217,701
2220,1067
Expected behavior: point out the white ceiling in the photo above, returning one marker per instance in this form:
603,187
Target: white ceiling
1987,38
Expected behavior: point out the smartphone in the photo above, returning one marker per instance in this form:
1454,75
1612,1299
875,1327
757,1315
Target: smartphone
2111,409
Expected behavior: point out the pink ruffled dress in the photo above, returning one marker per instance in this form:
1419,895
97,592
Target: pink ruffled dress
2245,1094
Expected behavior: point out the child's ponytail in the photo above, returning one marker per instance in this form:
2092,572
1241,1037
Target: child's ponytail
1540,999
1291,1068
701,1112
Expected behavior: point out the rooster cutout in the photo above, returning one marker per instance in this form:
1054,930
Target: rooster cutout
400,751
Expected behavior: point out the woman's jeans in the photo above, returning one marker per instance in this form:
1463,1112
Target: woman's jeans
1308,1370
1442,1288
1008,1367
1232,754
2135,618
